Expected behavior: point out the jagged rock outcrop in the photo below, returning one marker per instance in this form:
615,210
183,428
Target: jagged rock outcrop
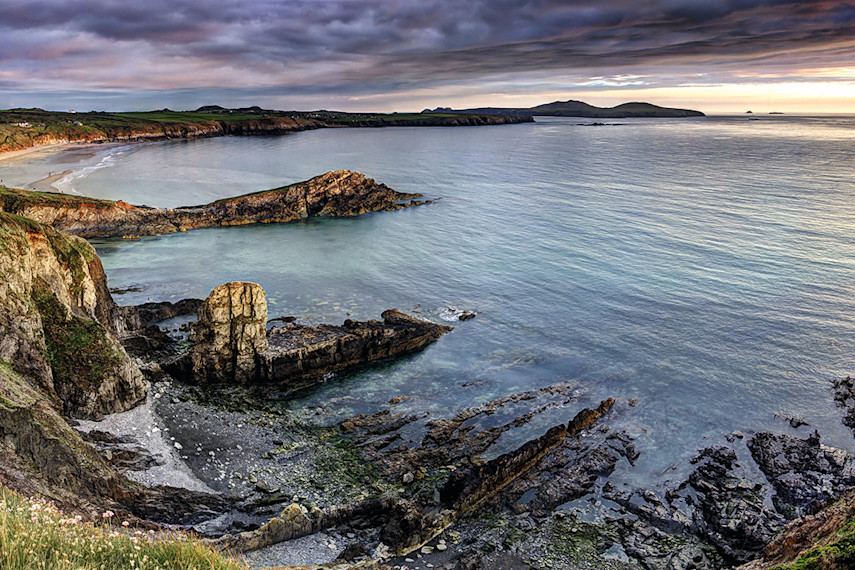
231,343
407,522
820,540
299,353
59,321
231,334
335,194
804,473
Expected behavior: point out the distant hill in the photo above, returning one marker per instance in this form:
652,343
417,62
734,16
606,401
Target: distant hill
578,109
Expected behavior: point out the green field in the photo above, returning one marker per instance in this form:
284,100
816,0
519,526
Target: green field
23,128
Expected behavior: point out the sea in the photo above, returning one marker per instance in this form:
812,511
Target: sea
699,270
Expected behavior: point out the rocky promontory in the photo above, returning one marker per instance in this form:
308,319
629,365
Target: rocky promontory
231,344
335,194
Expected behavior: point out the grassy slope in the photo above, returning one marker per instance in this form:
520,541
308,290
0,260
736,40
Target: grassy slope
35,534
14,200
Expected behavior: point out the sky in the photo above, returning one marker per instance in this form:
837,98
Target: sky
718,56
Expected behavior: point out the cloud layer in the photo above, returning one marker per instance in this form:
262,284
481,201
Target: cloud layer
346,50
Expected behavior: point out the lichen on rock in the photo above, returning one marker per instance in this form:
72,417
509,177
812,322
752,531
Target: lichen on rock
59,322
230,334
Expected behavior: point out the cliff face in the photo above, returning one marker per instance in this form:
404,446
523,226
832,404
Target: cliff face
338,193
59,321
123,129
58,356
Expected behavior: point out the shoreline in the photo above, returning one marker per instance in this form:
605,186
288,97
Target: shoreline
46,184
47,150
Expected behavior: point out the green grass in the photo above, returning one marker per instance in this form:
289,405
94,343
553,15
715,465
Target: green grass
838,554
40,127
35,535
14,200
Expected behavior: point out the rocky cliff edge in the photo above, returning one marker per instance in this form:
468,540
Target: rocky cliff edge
334,194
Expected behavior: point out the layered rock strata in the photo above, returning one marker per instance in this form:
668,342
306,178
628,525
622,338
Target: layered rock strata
232,345
59,357
339,193
231,334
408,522
59,323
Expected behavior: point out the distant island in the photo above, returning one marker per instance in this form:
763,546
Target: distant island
25,128
575,109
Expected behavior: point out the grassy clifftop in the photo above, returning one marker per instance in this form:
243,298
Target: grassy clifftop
23,128
35,534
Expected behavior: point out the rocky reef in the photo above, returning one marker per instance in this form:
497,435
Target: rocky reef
231,344
334,194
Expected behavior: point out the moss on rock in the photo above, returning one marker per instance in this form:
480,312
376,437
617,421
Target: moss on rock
78,349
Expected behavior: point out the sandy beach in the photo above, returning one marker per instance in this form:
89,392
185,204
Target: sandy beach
46,184
14,157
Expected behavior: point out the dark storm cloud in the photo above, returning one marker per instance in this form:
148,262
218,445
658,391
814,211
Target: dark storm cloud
368,46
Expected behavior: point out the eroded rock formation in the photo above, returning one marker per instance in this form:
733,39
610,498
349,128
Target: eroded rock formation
446,477
335,194
232,345
59,322
231,334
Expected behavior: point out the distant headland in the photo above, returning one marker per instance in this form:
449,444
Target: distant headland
25,128
22,129
576,109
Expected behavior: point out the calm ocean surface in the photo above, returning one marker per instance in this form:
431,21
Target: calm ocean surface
703,267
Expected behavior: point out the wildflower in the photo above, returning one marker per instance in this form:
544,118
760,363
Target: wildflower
125,524
108,514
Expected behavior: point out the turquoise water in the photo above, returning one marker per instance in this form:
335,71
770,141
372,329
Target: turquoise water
703,267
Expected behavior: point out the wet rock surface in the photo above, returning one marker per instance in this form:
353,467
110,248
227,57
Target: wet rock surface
411,488
804,473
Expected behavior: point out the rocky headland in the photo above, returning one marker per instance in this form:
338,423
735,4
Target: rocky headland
27,128
334,194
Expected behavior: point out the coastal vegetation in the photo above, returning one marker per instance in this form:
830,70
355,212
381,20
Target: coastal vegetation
24,128
36,534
